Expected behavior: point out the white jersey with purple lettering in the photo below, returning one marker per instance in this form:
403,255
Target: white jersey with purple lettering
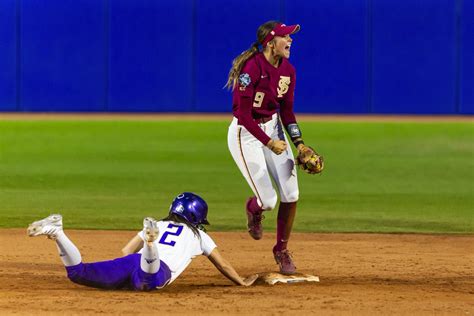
178,245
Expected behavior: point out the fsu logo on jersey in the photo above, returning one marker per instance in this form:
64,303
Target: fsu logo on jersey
244,81
283,85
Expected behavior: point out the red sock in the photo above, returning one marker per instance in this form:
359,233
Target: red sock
286,216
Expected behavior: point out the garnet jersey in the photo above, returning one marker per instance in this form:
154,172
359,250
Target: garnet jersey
261,91
178,245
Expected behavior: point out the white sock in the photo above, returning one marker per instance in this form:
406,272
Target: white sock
68,252
150,260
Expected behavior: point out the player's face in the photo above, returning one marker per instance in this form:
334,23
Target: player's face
282,46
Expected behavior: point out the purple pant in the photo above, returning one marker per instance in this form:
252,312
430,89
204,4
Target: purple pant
120,273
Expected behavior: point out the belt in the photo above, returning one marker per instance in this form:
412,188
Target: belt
263,120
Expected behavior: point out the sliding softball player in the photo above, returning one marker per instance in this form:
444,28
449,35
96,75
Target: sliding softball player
154,258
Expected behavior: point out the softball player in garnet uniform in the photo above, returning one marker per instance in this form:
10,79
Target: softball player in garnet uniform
263,84
165,248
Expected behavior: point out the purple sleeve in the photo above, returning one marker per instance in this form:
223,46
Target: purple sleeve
286,109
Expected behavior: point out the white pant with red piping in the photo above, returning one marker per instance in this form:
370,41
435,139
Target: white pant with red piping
258,163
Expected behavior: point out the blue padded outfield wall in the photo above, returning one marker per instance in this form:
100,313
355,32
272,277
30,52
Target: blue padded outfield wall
150,55
8,56
466,60
351,56
62,55
414,56
331,58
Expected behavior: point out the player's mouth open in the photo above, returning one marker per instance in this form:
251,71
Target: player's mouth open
287,47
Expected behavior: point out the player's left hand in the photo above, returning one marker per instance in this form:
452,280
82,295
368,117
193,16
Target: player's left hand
309,160
248,281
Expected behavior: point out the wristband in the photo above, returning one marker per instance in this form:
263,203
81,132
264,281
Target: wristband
294,131
295,134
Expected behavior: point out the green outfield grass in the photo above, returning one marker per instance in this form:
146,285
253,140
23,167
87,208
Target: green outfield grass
379,177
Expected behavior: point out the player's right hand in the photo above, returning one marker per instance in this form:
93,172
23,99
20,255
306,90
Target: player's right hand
277,146
248,281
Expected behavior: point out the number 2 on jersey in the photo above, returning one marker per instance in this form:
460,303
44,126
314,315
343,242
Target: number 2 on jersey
170,233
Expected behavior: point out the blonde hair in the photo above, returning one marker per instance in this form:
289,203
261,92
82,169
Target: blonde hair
240,60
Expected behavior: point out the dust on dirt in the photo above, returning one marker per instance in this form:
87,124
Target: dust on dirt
360,274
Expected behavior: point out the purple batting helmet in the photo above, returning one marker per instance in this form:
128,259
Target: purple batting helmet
191,207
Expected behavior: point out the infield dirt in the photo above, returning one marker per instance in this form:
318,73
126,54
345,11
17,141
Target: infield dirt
360,274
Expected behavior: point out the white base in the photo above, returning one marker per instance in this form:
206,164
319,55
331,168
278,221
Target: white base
273,278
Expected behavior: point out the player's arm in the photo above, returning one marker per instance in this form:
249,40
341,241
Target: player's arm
228,271
288,116
245,118
244,90
306,154
133,246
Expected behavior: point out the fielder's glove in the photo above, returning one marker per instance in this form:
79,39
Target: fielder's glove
309,161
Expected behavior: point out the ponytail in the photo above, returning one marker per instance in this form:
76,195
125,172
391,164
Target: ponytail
238,63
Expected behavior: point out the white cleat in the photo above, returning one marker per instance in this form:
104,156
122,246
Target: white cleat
49,226
150,229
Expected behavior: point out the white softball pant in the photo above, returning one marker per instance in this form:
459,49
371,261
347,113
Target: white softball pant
257,163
